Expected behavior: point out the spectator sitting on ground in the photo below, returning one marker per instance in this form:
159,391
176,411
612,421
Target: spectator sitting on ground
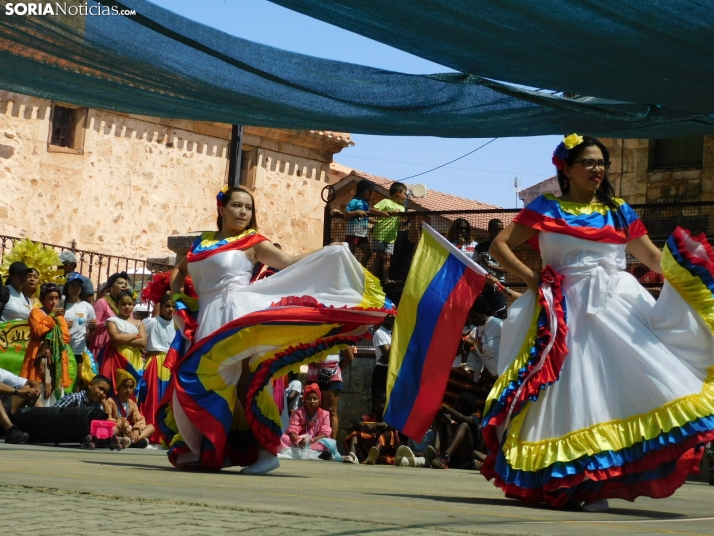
457,428
94,396
69,265
294,392
308,424
371,439
16,392
29,289
131,429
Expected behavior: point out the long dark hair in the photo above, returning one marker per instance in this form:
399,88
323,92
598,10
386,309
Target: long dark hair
253,223
605,193
453,232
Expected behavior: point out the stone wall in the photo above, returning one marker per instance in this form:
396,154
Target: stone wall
287,196
136,181
634,181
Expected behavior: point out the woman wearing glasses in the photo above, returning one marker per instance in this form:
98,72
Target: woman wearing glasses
603,392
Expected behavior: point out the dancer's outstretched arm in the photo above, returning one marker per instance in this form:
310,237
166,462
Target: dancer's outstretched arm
502,250
646,252
269,255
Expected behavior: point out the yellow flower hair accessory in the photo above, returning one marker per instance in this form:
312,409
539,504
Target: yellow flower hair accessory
221,194
572,141
563,150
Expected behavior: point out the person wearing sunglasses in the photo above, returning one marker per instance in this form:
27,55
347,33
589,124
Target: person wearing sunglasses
603,392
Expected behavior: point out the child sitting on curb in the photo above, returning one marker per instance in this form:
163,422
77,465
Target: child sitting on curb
131,429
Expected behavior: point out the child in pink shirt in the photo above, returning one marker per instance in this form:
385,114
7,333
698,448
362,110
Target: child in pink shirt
309,423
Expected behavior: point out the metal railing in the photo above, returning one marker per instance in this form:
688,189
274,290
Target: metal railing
98,266
660,219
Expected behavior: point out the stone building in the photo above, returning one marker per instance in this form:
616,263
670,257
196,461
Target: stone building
120,184
653,170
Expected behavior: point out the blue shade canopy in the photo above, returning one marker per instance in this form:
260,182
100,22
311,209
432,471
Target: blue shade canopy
653,51
160,64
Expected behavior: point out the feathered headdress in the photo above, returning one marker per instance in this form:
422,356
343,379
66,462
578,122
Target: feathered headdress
35,255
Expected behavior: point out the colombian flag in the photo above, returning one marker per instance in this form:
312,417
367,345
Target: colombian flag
441,288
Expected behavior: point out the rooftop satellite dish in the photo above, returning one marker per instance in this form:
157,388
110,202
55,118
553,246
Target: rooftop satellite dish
418,190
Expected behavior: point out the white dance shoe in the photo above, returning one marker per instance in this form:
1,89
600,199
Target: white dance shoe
265,463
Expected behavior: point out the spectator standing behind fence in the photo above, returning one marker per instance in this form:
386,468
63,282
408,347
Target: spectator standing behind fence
29,289
496,299
385,230
18,307
459,235
357,220
80,316
46,357
105,308
382,342
69,265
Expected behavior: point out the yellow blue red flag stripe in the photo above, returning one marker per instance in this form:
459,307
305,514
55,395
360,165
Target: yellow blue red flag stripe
441,287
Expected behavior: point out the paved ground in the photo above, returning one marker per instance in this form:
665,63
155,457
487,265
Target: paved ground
46,490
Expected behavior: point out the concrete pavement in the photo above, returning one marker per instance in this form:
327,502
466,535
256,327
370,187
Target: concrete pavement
61,491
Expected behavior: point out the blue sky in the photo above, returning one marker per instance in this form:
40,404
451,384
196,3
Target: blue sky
485,175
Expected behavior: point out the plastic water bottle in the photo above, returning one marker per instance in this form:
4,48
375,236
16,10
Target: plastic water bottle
308,440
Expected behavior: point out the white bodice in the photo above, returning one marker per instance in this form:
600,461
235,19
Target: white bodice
220,270
596,264
215,279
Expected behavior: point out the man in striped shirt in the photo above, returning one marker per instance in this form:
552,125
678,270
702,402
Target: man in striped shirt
91,397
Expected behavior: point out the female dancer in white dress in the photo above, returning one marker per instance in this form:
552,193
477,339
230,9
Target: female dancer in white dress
603,391
219,409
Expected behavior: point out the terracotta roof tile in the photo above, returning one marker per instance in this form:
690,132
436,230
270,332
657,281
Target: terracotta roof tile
434,200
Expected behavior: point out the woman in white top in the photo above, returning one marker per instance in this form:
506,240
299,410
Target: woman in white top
79,314
18,307
127,338
246,335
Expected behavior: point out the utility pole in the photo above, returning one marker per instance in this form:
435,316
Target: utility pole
516,184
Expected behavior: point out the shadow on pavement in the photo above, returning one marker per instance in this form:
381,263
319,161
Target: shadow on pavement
632,512
179,471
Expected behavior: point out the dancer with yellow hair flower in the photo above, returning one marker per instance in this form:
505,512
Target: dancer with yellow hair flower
603,392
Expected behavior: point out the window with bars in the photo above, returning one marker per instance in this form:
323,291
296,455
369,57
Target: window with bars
67,129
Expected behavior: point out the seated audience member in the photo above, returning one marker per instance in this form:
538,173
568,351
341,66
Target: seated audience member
94,396
484,339
294,392
131,429
382,342
458,430
16,392
308,424
372,440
